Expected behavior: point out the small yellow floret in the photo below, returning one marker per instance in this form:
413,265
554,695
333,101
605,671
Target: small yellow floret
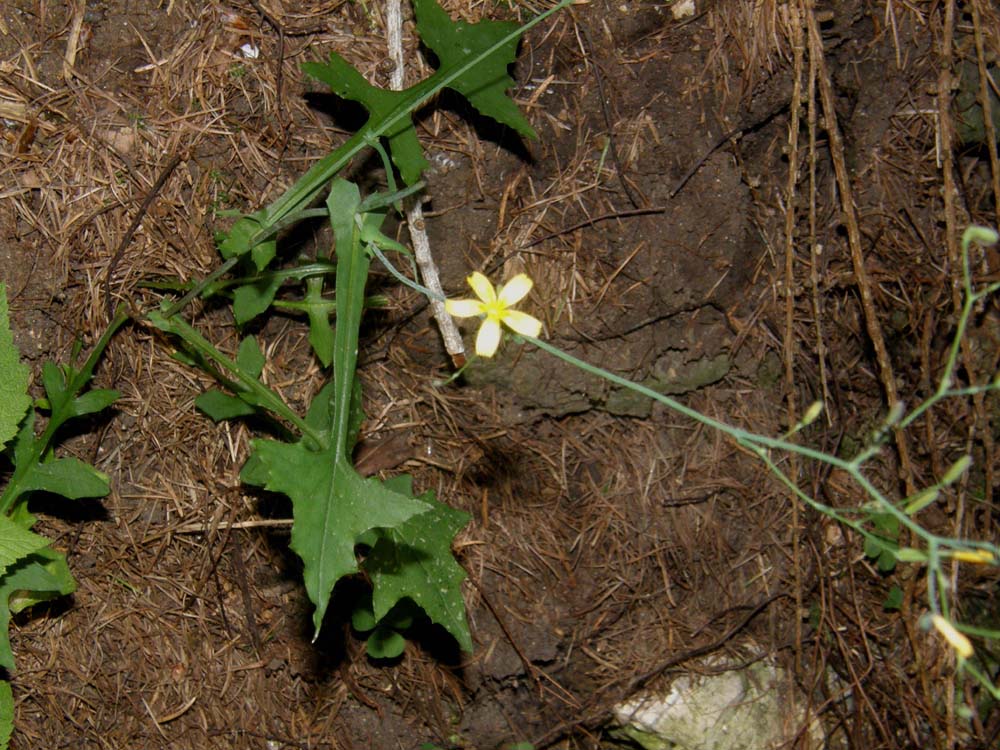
495,305
979,556
955,639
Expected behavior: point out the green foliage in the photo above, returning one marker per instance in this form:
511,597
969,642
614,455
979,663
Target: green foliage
17,543
219,406
385,639
413,561
250,300
40,577
14,398
332,504
894,599
474,60
35,468
335,509
883,544
31,572
454,42
6,713
320,333
483,84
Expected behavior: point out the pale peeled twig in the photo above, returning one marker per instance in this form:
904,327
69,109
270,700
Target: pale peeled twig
73,41
414,212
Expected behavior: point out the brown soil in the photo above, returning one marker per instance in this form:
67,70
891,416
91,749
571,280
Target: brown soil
613,542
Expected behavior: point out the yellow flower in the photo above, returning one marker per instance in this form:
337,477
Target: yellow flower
955,639
981,556
495,305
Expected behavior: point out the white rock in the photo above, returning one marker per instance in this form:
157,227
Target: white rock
735,710
682,9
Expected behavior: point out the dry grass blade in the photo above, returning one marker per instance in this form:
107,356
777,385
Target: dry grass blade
873,324
789,347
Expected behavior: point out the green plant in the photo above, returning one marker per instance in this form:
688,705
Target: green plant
880,520
385,639
337,513
30,570
407,537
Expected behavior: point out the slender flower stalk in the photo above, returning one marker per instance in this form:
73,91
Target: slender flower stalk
494,306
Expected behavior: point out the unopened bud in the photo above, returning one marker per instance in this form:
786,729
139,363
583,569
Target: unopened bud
978,556
921,500
812,413
956,470
895,414
979,235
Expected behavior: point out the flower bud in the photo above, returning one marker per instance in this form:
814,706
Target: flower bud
955,639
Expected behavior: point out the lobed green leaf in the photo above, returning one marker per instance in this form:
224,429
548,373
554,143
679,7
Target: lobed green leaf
381,104
40,577
332,506
414,561
14,377
455,43
484,84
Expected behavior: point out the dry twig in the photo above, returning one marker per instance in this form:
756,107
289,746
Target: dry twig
414,211
136,220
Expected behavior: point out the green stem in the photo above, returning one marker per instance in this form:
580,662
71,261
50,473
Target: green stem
76,381
312,183
264,396
298,273
743,436
394,272
199,287
352,274
748,439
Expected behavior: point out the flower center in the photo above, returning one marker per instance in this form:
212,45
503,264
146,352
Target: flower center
495,310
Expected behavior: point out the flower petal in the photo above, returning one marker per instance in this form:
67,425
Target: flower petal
482,287
523,323
488,338
463,308
516,289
